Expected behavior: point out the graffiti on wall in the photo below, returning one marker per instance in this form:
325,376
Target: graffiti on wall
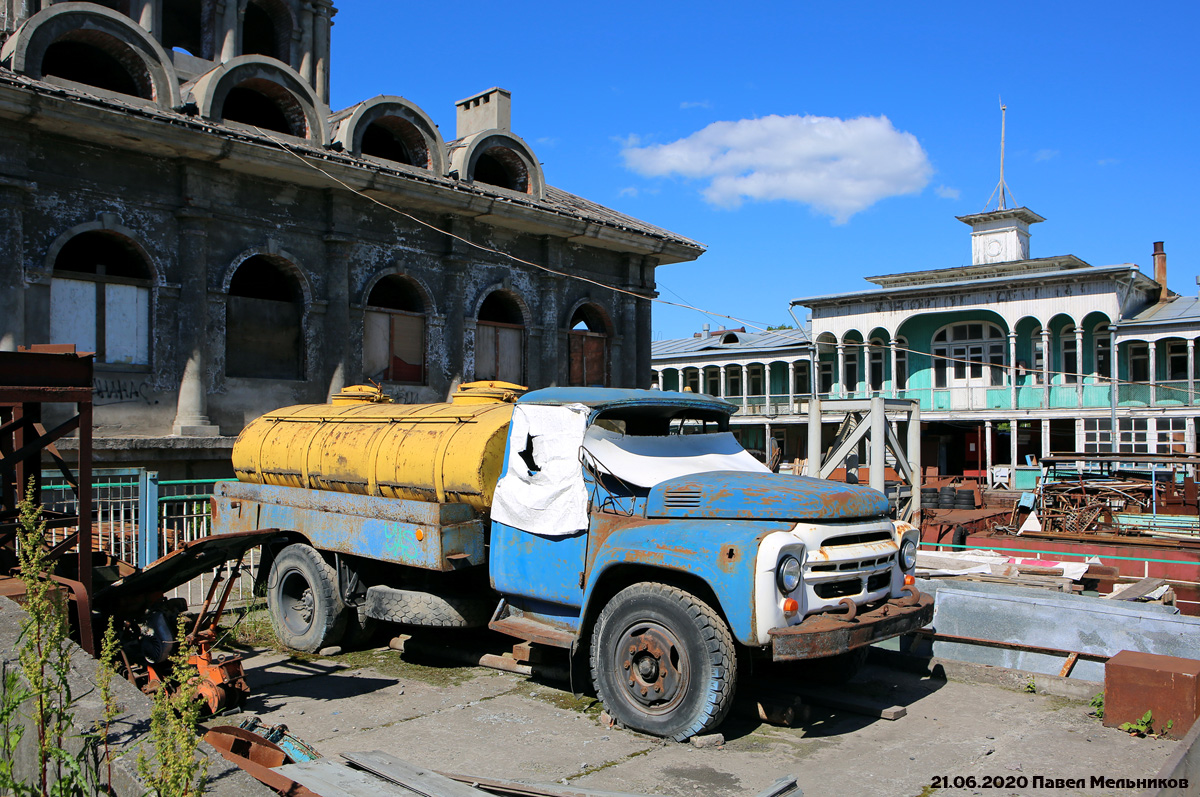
120,391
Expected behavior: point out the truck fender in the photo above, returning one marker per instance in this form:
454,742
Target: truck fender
713,559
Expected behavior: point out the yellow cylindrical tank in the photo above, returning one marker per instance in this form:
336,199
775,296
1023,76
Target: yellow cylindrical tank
362,444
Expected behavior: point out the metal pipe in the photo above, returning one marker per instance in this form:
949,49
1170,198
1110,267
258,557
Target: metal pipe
994,643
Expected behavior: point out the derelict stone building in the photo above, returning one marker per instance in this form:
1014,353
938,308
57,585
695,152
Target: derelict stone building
176,196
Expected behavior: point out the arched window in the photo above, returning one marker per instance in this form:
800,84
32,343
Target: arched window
502,167
875,373
266,104
183,27
1070,355
100,298
500,340
587,348
1102,350
266,30
264,321
961,352
900,377
802,376
97,59
1176,351
395,140
850,369
1139,361
394,332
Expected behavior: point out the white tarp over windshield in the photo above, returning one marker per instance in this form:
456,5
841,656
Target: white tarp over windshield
548,498
646,461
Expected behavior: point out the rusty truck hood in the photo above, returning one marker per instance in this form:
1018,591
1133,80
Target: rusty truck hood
762,496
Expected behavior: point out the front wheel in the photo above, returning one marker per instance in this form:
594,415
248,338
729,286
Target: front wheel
663,661
302,596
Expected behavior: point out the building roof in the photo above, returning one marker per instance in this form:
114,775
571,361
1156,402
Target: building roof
747,342
556,201
1038,265
1020,214
1073,273
1176,310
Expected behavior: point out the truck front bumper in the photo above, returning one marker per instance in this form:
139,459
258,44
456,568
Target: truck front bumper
828,634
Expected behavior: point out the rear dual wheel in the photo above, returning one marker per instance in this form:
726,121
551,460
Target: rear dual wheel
663,662
306,608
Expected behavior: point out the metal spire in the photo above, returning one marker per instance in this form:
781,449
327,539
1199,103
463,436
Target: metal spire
1001,188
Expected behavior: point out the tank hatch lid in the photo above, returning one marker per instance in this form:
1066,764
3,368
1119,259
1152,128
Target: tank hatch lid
492,392
361,394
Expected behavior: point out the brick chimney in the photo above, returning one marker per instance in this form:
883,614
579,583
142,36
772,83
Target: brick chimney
491,109
1160,270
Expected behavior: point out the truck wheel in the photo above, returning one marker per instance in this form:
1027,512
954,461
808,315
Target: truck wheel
412,607
302,595
663,661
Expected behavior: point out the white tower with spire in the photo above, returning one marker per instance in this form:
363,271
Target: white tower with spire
1000,235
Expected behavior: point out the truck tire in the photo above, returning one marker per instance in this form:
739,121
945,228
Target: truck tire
412,607
663,662
302,597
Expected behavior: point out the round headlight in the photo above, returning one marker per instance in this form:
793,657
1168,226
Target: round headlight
908,554
787,574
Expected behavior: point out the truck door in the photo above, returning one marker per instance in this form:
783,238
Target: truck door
539,567
540,507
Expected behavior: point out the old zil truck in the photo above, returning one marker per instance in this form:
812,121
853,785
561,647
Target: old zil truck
627,526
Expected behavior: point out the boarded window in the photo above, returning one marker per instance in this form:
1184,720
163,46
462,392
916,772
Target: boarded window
394,332
588,353
499,352
394,346
100,299
587,348
264,322
500,340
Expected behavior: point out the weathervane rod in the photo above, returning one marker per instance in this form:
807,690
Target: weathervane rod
1003,187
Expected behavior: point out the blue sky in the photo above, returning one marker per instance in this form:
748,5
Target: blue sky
809,145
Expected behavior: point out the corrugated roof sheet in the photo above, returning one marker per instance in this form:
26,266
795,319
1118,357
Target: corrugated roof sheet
1074,273
747,342
1179,309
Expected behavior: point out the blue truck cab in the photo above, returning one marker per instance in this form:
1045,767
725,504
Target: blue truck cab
627,526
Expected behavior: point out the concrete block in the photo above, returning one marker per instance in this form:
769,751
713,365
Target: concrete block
1167,686
708,740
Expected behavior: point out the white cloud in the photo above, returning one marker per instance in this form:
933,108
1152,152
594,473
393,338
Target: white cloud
628,191
701,104
837,166
946,192
1045,154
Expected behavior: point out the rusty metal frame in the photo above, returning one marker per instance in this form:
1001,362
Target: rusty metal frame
829,633
867,420
29,379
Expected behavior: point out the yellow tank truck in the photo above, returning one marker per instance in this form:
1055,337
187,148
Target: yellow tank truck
626,526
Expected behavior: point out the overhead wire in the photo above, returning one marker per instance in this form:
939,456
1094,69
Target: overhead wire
491,250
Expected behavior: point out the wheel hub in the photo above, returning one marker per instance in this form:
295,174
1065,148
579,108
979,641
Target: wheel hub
299,603
655,666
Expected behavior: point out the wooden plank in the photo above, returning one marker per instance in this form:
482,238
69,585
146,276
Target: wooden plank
410,776
331,779
521,789
1138,590
848,702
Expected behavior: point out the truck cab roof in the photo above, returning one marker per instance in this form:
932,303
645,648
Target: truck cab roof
606,398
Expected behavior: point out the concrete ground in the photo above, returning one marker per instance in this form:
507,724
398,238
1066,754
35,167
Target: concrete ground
481,722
